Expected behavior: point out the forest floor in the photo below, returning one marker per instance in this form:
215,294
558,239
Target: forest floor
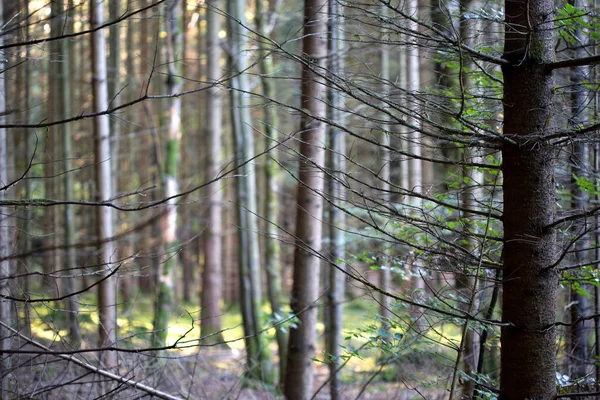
218,375
214,372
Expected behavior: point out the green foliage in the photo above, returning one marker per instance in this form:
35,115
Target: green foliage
584,276
586,185
569,19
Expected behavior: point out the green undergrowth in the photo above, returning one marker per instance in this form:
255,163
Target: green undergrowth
392,355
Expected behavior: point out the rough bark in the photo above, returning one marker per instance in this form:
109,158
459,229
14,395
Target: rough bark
107,289
528,360
299,374
212,283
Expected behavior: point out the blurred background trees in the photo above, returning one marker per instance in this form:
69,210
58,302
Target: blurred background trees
343,198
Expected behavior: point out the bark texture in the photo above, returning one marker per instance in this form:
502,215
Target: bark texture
64,84
528,360
166,273
5,266
271,198
107,289
212,286
258,354
299,374
335,296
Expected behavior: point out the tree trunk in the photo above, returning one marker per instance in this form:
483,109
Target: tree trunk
271,205
335,296
114,83
464,281
212,282
5,240
107,289
28,154
385,273
51,184
64,84
144,155
528,360
166,273
302,344
259,365
413,142
413,85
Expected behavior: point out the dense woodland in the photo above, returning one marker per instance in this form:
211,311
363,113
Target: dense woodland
270,199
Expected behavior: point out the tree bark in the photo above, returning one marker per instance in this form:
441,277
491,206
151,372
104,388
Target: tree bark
258,355
302,344
167,268
64,83
114,82
212,282
413,86
5,241
385,273
335,295
528,360
271,204
464,282
107,289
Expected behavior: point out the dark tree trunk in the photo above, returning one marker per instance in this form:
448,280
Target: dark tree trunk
528,360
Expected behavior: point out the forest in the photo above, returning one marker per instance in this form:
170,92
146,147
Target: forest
328,199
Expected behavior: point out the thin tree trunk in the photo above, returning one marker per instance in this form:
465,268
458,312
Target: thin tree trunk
5,241
114,83
385,273
167,267
258,355
28,153
271,206
528,360
51,184
464,281
64,84
212,282
402,130
146,145
337,218
107,289
413,85
305,289
186,279
413,140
